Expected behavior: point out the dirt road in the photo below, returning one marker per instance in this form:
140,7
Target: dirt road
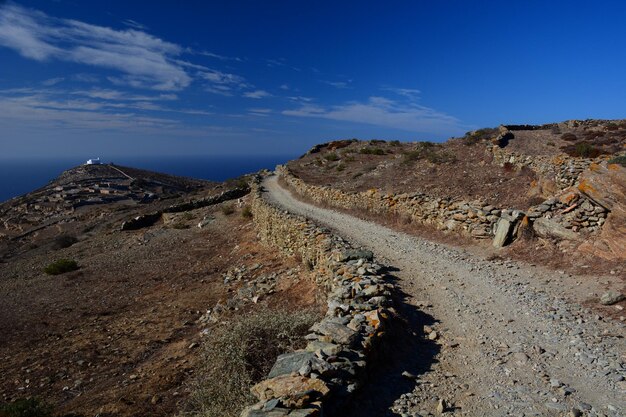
508,341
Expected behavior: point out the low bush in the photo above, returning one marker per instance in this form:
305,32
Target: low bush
61,266
240,353
569,137
372,151
228,209
331,157
430,152
619,160
25,407
246,213
472,138
180,226
395,143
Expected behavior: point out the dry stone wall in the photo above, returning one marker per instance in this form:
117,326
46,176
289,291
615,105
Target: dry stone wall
319,379
568,215
472,218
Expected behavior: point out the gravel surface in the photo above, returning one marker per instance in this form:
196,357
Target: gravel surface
508,344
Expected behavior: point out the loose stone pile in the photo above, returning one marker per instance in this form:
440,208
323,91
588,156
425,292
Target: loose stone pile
321,377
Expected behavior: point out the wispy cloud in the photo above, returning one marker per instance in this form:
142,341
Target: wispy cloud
217,56
134,24
284,87
410,93
52,81
260,111
143,60
381,111
256,94
338,84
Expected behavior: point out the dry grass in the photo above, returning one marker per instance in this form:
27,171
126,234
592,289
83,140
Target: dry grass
240,353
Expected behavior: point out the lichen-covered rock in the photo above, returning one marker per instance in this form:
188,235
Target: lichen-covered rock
550,229
606,185
290,387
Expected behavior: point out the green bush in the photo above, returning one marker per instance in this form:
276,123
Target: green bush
238,354
331,157
586,150
472,138
61,266
372,151
395,143
246,213
430,152
619,160
25,407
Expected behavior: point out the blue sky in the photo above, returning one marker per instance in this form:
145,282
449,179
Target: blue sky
275,77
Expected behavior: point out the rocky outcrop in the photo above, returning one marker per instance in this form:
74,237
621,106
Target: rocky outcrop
320,378
605,185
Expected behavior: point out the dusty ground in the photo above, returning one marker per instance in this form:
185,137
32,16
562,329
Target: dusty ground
511,338
118,336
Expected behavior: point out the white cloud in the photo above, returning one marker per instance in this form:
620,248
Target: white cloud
284,87
144,60
381,111
52,81
256,94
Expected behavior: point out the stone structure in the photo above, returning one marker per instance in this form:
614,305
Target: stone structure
319,379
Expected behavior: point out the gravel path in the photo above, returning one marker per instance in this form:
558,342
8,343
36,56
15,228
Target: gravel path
506,344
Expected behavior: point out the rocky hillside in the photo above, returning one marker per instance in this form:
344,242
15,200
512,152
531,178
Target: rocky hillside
563,182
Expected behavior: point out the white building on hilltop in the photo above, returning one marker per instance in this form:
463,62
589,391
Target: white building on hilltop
95,161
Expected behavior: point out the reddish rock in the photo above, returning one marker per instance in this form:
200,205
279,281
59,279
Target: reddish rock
606,185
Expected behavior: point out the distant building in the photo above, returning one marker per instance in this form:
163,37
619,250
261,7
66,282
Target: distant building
95,161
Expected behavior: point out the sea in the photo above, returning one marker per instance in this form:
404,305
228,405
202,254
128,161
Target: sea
21,176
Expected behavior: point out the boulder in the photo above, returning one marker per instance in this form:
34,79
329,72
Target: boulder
336,332
605,185
503,232
611,297
290,388
291,363
550,229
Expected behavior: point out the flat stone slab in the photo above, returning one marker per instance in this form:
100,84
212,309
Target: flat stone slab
336,332
288,363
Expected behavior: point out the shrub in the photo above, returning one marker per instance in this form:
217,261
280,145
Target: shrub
430,152
372,151
64,241
569,137
180,226
586,150
620,160
395,143
550,143
228,209
61,266
472,138
246,213
331,157
341,167
187,216
240,353
25,407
